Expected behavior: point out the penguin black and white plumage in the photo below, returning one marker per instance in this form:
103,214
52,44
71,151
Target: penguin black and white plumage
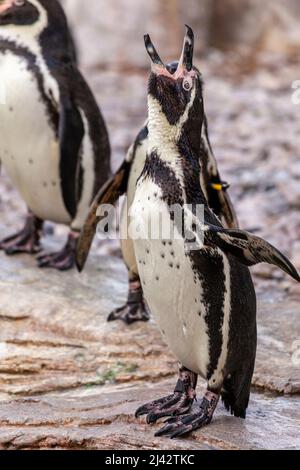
124,181
54,144
201,295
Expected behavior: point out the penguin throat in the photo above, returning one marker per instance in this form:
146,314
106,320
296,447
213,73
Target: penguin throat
163,136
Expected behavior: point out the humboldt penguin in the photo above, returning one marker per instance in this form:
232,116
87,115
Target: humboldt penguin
124,181
54,144
196,283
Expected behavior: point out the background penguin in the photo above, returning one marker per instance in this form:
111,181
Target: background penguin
203,299
124,181
53,141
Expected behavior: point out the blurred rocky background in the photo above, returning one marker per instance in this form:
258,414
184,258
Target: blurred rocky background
68,379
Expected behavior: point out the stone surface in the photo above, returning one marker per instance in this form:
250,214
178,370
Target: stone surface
102,418
69,379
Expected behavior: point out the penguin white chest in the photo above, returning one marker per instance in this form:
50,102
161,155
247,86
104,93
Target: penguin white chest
29,148
172,292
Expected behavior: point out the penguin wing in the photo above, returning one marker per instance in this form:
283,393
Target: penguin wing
110,192
248,248
71,132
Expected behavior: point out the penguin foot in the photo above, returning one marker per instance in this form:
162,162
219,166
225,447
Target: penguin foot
179,403
130,313
182,425
26,240
135,308
62,260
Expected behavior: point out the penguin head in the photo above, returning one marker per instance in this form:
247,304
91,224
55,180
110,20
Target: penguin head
31,16
44,21
18,12
175,90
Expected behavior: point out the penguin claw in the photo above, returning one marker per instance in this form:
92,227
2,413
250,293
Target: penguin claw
21,242
26,240
62,260
176,404
130,313
183,425
149,407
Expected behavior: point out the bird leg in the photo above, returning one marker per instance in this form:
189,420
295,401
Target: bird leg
64,259
183,425
178,403
26,240
135,308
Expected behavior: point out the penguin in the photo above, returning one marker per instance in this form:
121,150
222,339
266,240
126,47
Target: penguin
196,282
54,144
124,182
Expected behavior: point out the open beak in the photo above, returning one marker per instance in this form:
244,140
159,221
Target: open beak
186,60
157,65
5,5
155,59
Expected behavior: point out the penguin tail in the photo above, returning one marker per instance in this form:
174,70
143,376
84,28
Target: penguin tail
236,392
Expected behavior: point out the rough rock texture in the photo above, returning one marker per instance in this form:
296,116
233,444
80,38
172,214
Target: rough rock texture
69,380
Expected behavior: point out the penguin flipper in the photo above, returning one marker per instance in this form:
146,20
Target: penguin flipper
110,192
248,248
71,132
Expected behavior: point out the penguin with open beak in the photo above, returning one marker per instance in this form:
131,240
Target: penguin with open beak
196,282
124,182
54,143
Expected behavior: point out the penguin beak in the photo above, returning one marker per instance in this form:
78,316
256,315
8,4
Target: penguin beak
5,5
185,64
157,65
186,60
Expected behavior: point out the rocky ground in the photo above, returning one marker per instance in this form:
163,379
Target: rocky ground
67,378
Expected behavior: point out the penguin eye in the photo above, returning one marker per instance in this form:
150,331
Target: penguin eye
19,3
187,84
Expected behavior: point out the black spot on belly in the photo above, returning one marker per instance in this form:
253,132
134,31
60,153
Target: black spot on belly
157,278
30,161
172,253
45,184
163,256
171,265
11,109
178,266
